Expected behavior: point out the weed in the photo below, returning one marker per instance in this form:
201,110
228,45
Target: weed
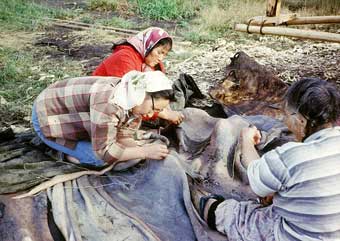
87,19
197,35
103,5
21,14
167,9
116,22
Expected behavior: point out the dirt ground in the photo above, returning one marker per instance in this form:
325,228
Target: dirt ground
290,58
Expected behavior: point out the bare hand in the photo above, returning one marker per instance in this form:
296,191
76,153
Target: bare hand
175,117
155,151
251,134
266,201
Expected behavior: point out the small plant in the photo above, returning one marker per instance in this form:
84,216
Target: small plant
116,22
103,5
167,9
200,36
87,19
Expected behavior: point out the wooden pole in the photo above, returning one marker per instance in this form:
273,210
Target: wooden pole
290,32
278,8
293,20
273,8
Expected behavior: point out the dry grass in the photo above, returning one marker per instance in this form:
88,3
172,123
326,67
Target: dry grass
16,39
218,17
314,7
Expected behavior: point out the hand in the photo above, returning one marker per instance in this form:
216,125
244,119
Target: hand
266,201
251,134
155,151
175,117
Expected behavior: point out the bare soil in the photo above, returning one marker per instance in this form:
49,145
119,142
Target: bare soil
291,59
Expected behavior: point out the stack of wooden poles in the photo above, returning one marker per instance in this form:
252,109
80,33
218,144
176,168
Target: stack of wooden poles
268,24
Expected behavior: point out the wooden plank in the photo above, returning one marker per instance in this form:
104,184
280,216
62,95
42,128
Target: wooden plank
292,19
290,32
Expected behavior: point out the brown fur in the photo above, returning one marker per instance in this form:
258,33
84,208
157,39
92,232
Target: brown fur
250,88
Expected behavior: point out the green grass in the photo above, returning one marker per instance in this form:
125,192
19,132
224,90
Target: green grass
116,22
23,76
21,14
103,5
167,9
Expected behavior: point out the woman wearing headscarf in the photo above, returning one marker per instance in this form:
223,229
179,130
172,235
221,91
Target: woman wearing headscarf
94,120
142,52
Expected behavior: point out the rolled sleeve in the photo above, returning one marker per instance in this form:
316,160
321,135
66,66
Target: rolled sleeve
267,174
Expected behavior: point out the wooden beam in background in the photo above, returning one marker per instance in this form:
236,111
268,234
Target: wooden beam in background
290,32
292,19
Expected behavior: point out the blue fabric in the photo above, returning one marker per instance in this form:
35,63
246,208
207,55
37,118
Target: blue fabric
83,150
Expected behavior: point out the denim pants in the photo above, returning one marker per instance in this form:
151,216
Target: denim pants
83,150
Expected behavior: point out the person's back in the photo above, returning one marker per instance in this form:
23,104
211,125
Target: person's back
63,108
123,59
308,174
94,120
301,177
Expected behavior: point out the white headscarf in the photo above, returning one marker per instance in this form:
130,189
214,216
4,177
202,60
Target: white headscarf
131,90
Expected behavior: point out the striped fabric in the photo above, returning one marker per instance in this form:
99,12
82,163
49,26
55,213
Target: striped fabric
80,109
306,180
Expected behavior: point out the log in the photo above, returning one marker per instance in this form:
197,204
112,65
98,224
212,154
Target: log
292,19
290,32
85,26
75,23
78,27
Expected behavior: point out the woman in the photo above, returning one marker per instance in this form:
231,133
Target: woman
301,177
143,52
93,120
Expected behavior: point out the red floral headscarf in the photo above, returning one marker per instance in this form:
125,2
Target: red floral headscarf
144,41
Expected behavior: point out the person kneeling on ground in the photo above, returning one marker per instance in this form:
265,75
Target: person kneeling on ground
302,177
142,52
93,120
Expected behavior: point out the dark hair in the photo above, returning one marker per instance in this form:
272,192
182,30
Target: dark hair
166,94
315,99
162,42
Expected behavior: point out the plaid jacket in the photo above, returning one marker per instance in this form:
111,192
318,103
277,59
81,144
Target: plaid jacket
82,109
